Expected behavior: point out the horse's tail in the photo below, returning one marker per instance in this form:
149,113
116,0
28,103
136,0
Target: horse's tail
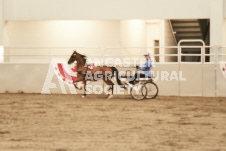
114,70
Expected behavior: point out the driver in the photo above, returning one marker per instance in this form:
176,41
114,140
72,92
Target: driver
146,69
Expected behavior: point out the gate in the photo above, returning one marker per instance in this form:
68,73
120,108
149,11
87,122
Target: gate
196,73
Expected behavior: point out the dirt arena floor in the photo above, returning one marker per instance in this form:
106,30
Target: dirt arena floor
33,122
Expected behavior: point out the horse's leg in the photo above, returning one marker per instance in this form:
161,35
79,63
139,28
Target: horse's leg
79,79
111,84
84,89
112,89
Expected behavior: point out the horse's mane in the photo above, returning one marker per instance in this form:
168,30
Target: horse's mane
83,57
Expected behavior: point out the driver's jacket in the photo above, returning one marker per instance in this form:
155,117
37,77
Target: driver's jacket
146,68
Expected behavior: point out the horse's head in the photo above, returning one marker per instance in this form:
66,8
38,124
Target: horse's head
79,58
73,57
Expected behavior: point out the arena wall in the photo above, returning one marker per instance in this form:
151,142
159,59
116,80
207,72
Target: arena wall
22,19
30,78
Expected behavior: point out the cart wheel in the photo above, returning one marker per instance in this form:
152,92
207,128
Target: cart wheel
152,90
138,91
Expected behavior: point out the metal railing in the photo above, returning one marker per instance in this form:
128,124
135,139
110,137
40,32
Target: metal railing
167,54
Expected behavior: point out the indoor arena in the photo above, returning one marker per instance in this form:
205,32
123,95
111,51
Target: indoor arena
112,75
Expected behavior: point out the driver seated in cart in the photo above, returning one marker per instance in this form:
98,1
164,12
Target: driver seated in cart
147,68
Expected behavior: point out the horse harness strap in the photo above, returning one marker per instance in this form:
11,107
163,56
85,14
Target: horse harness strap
81,72
86,68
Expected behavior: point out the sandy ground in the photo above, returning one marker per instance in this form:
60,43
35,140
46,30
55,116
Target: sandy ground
32,122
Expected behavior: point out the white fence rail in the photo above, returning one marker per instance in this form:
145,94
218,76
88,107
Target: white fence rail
23,66
167,54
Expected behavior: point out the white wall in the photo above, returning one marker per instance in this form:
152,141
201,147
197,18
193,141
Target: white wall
133,33
153,32
30,10
40,35
223,50
216,22
224,8
143,33
169,37
104,9
1,23
124,33
169,41
224,35
63,33
165,39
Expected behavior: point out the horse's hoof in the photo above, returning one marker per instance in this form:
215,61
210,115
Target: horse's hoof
83,96
110,96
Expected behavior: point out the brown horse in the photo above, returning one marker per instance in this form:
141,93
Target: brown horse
84,73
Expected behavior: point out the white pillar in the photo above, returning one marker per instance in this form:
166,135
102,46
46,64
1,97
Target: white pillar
216,24
162,40
1,22
153,33
1,32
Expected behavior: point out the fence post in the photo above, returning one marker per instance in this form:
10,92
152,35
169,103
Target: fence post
216,59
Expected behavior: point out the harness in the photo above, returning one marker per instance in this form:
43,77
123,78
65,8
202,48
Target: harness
81,72
86,69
